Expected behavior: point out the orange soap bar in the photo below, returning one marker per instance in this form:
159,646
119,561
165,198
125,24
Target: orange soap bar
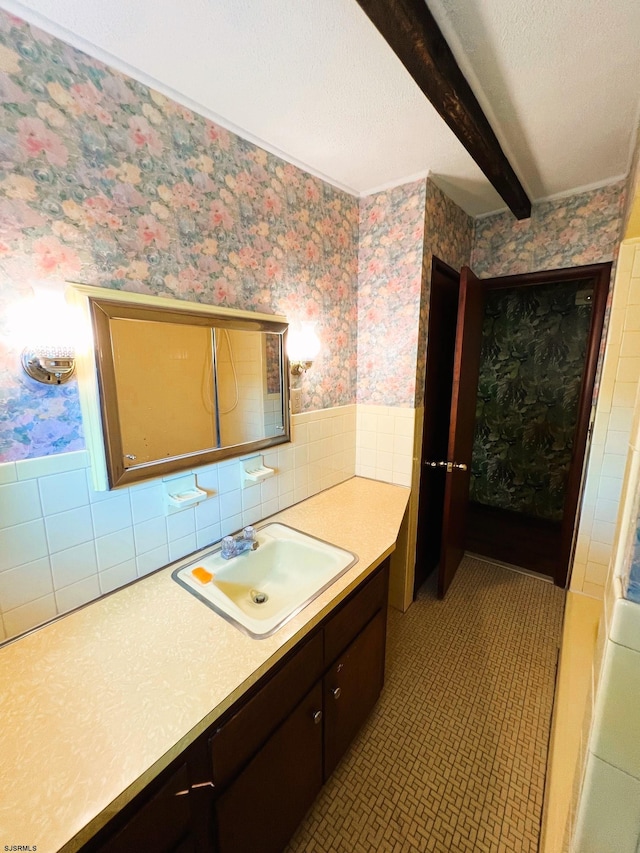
201,574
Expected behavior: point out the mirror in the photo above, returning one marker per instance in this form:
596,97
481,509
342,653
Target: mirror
182,385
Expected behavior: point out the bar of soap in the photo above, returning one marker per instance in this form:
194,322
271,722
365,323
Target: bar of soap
201,574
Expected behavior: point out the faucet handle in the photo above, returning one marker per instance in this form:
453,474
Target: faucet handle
249,533
228,547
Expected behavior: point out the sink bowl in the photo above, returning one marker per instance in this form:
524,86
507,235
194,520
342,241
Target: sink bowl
258,591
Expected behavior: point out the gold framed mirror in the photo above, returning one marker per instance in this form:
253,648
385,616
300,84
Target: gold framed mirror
180,385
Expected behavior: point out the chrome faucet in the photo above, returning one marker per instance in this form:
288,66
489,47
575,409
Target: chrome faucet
234,545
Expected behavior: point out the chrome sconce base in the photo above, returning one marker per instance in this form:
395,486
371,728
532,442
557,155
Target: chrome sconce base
51,367
299,367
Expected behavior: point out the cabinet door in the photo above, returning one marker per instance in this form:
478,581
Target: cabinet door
262,808
351,689
235,742
162,825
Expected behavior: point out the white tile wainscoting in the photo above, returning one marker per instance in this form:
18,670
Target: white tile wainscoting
604,816
384,443
611,429
62,544
608,816
389,448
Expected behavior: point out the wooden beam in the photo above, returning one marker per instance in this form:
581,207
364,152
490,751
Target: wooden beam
411,31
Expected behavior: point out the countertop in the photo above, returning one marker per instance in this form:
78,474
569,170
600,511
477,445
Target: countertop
94,705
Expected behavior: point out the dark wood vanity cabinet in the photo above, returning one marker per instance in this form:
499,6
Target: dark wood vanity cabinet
344,661
261,809
164,823
267,757
169,816
351,689
244,786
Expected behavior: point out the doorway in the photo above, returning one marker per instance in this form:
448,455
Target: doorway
488,534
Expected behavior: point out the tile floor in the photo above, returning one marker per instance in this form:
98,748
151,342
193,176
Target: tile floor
453,757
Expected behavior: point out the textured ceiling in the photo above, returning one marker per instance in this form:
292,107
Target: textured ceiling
316,83
558,79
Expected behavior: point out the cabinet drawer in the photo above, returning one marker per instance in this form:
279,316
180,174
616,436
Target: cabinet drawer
238,739
354,615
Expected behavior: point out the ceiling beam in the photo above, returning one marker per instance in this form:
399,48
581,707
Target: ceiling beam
411,31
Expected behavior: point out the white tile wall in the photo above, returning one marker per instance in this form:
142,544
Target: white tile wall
612,822
608,801
608,814
62,544
386,450
616,730
384,443
611,431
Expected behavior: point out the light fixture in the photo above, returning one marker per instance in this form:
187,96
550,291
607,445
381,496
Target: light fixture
47,325
303,345
48,364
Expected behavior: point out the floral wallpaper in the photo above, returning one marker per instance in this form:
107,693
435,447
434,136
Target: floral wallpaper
448,234
272,356
389,286
533,350
106,182
568,232
400,231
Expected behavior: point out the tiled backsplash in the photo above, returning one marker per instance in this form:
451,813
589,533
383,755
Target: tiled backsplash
62,544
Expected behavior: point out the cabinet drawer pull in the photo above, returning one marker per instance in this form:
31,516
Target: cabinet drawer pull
317,717
337,692
202,785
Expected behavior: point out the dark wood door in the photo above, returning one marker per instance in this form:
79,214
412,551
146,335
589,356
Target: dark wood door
466,367
262,808
441,344
351,689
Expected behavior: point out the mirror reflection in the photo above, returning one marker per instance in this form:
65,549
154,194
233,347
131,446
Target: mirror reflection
164,386
249,384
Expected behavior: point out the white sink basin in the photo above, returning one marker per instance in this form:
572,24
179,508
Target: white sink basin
258,591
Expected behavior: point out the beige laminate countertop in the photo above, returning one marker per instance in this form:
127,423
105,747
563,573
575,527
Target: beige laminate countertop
94,705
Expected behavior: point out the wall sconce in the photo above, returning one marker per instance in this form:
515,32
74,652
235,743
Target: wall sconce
50,365
303,345
48,325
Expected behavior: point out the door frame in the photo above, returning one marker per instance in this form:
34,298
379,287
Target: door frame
601,276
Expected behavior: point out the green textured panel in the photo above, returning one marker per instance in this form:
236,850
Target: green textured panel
533,352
